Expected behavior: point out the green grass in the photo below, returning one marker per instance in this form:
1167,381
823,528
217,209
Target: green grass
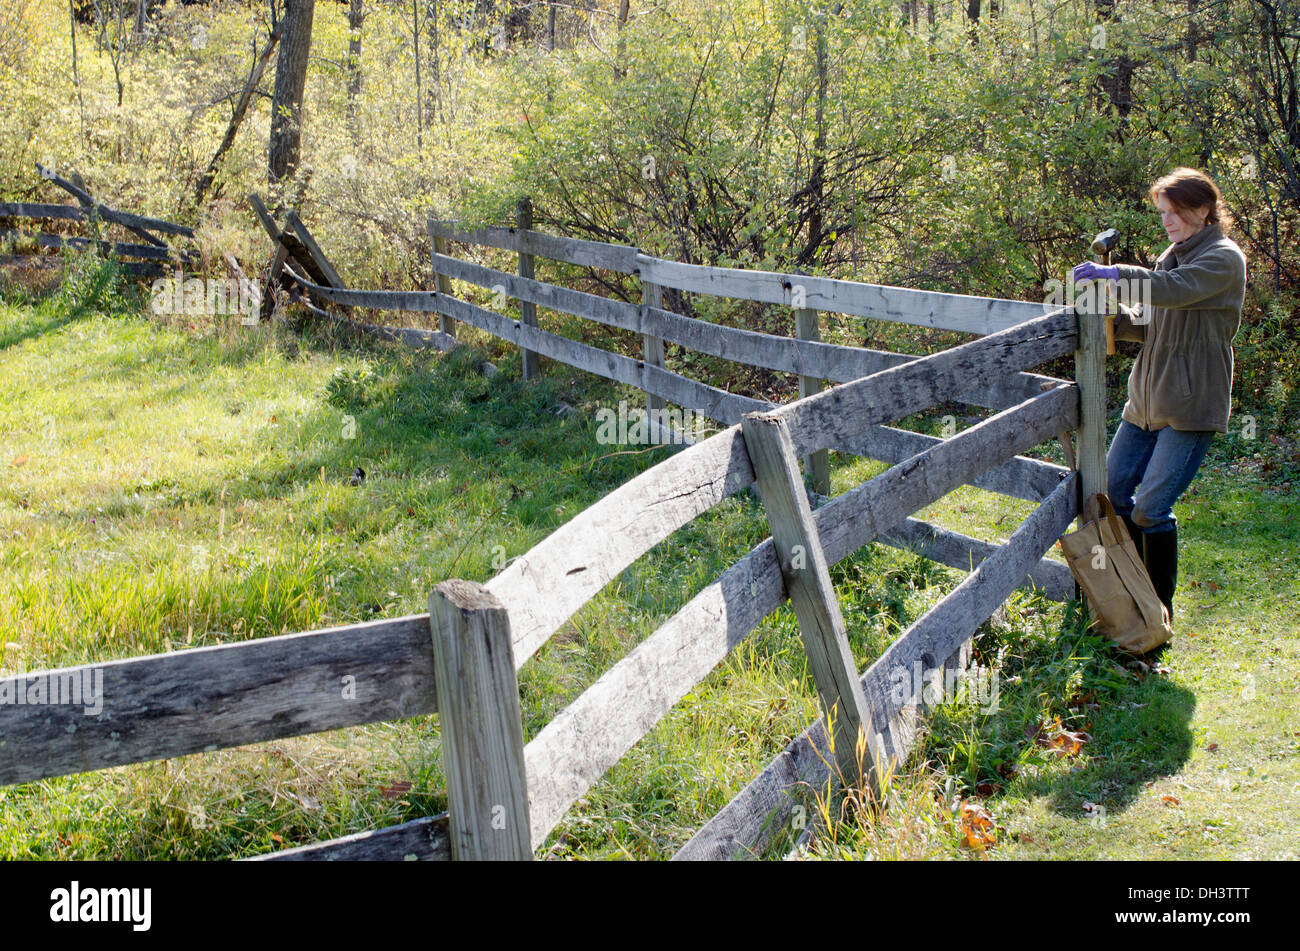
172,486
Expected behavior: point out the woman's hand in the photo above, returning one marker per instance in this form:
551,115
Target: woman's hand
1087,271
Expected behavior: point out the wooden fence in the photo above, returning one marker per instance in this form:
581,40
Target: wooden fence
460,659
156,258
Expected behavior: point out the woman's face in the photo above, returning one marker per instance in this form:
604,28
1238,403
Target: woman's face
1178,227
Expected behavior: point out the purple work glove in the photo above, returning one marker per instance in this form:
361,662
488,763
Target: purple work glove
1087,271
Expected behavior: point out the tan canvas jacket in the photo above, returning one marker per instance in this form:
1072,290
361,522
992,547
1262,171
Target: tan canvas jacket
1183,376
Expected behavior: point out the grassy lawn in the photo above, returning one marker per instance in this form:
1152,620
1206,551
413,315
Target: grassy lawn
172,486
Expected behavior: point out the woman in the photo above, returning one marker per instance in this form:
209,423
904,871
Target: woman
1180,389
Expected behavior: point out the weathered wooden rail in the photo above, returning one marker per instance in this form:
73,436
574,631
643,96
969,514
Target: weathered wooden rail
302,267
154,254
460,659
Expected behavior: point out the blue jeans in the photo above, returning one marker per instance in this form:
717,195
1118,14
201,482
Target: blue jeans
1159,464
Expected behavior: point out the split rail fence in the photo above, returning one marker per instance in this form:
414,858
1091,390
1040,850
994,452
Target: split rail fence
156,257
460,659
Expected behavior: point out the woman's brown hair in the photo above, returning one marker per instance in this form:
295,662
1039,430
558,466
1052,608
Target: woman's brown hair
1189,190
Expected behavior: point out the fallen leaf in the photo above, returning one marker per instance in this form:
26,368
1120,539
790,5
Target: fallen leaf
1169,800
278,839
20,461
1212,747
1067,743
978,830
396,790
987,788
1059,740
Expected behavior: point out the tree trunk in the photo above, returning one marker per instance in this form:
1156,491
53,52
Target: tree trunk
1118,81
619,71
356,18
435,63
76,74
290,81
817,181
419,89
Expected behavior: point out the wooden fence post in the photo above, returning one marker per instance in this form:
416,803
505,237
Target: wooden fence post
278,261
313,250
1090,374
482,733
441,282
653,350
808,583
527,309
817,465
273,281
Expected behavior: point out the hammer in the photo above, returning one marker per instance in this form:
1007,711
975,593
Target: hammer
1102,245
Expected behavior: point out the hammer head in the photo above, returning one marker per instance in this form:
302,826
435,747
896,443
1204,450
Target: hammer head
1105,242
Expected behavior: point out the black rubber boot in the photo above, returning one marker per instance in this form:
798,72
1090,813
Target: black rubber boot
1161,560
1135,532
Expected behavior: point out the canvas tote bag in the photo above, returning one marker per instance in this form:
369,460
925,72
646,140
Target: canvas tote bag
1106,563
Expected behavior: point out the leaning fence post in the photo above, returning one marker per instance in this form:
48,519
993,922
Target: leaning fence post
482,733
273,280
313,250
812,595
527,309
816,465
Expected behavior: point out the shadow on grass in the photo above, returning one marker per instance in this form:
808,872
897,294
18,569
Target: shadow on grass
37,324
1138,736
1054,681
88,284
